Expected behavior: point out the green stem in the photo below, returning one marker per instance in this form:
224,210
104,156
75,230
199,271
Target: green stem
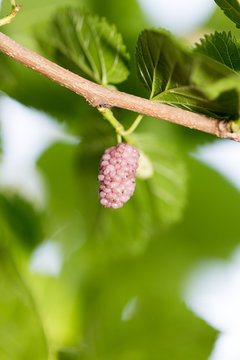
133,126
7,19
108,115
119,138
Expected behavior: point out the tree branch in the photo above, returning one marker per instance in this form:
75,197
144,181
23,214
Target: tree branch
97,95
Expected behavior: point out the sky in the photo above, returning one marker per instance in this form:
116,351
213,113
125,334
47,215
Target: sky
178,16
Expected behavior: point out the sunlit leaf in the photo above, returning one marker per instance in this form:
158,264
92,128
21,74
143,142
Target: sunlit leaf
163,62
21,27
88,45
166,67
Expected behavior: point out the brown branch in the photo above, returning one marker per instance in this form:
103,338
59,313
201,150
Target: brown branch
97,95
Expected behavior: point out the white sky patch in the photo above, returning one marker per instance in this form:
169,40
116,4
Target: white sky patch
26,134
213,293
178,16
226,347
47,259
223,156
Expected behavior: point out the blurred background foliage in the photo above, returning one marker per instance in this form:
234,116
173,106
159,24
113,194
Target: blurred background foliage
118,292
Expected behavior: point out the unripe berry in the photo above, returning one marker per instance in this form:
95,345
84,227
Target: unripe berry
145,168
117,173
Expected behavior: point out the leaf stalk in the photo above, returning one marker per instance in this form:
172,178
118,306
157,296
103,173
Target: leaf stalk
120,131
8,18
134,125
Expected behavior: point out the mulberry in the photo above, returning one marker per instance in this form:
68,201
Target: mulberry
117,173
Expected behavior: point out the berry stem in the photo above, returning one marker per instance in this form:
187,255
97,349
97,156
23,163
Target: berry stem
119,138
108,115
7,19
134,125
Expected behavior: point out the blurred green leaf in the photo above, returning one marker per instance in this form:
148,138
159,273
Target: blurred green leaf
168,186
166,67
156,203
135,20
32,13
22,219
134,17
161,324
228,86
222,47
69,354
231,9
208,71
162,328
60,309
21,332
87,45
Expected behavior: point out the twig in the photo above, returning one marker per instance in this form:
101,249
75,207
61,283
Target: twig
100,96
13,4
133,126
7,19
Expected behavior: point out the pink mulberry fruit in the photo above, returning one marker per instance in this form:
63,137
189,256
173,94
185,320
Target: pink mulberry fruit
117,173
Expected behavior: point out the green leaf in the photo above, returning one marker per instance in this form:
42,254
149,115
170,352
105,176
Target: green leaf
22,219
21,28
87,45
229,85
21,332
167,189
231,9
69,354
163,63
193,99
220,54
167,69
222,47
